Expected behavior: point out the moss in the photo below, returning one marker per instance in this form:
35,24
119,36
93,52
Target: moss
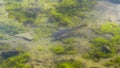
115,40
27,12
98,54
69,40
108,28
64,20
69,64
60,49
70,50
110,44
99,41
40,48
109,64
12,28
115,62
101,48
16,62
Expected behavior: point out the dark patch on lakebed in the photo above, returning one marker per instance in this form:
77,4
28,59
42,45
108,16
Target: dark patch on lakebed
82,31
7,54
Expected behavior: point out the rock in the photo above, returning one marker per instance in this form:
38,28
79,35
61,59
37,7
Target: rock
106,49
26,36
8,54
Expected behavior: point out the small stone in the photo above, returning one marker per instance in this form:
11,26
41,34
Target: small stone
26,36
106,49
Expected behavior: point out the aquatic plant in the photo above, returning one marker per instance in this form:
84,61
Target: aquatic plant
70,64
108,28
115,40
12,28
16,61
101,48
115,62
69,41
28,12
60,49
100,41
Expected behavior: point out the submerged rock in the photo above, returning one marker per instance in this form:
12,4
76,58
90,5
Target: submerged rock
106,49
8,54
26,36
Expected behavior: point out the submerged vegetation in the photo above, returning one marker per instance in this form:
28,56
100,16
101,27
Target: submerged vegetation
105,47
16,61
12,29
70,64
57,34
59,49
28,12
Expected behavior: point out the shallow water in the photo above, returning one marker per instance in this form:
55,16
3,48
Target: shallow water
108,11
41,54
